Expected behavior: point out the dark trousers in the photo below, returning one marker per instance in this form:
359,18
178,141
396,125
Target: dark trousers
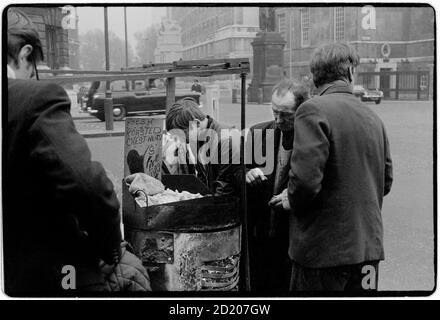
269,266
361,277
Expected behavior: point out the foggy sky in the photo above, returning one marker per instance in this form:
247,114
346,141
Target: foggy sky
138,18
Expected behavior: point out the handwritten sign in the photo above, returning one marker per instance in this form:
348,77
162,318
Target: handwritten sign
143,146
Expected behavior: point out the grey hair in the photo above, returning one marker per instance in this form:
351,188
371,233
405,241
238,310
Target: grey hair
300,90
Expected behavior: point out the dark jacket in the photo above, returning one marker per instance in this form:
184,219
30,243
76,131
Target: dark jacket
59,207
269,229
258,197
340,172
196,87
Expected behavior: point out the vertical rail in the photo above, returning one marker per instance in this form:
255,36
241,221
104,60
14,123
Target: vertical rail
127,83
245,235
108,101
171,92
290,43
107,54
126,37
243,101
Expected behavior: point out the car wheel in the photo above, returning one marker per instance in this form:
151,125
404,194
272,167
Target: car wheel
119,113
377,101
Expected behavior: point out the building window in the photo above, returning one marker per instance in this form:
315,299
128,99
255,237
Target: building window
423,81
305,27
339,24
282,25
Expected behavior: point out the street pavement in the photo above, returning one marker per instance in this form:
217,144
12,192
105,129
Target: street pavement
407,210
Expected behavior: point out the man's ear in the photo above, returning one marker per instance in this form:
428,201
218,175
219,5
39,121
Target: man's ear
25,52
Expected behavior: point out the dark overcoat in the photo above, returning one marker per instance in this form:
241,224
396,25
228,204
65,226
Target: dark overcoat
59,207
340,171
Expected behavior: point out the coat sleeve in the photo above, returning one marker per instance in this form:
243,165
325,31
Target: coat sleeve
80,186
388,166
309,156
231,174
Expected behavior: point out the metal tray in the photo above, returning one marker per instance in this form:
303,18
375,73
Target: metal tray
205,214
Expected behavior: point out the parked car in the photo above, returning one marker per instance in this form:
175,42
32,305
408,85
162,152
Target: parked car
367,95
131,98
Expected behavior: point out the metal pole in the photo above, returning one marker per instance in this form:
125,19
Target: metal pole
127,83
243,101
245,237
290,43
126,38
108,101
171,92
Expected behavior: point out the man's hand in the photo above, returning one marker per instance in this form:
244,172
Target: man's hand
106,269
255,177
280,201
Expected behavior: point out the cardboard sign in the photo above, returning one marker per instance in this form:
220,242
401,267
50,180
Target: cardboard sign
143,146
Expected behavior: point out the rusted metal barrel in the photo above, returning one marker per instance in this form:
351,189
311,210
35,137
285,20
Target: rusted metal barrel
187,245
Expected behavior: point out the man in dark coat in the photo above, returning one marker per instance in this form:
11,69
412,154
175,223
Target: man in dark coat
269,232
60,212
196,87
340,171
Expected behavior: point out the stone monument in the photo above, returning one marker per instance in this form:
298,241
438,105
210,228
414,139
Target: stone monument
169,46
268,68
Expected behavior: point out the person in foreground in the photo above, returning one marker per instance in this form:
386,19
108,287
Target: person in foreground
61,221
340,171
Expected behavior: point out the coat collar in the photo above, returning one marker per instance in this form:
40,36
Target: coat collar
287,137
339,86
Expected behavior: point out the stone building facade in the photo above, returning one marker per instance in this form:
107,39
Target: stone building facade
73,40
58,48
216,32
388,39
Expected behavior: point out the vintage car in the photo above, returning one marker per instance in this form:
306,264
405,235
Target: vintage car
132,98
367,95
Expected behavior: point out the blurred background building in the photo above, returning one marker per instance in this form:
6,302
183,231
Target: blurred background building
74,43
396,44
60,45
216,32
